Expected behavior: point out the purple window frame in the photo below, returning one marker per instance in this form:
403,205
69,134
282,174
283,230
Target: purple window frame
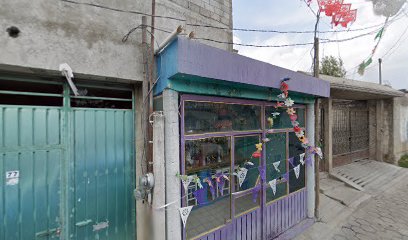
232,134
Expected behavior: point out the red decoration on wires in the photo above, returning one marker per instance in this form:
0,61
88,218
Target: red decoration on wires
340,12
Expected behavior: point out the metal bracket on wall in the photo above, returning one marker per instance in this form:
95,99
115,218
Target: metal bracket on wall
68,73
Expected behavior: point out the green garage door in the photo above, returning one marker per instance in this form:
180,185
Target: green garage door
30,163
66,162
103,173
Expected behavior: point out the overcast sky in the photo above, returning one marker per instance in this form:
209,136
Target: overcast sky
287,15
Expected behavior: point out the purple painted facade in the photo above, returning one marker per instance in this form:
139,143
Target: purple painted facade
270,220
185,61
196,59
281,215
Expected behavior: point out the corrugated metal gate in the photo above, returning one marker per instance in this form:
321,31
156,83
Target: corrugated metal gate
67,166
350,131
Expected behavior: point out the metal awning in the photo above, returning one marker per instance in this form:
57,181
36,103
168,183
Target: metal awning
341,88
185,60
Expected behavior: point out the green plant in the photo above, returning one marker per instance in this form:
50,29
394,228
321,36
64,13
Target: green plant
403,162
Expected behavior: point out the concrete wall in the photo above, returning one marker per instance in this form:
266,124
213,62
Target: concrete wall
89,38
387,131
400,127
372,128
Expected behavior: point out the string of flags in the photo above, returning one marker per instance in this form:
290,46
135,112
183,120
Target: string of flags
378,37
241,173
285,100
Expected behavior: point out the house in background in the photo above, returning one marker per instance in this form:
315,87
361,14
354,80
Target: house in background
361,120
215,108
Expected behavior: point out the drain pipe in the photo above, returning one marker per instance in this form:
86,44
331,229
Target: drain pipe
169,39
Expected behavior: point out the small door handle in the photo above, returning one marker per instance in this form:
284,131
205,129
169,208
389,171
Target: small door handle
83,223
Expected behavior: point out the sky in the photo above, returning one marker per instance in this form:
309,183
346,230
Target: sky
294,15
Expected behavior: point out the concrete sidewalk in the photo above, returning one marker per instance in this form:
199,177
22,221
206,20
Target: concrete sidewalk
348,213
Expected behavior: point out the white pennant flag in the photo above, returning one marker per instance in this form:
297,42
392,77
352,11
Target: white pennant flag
273,186
297,171
242,175
186,183
184,213
302,157
276,165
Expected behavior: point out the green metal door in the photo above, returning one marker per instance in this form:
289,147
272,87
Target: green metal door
103,154
30,164
66,162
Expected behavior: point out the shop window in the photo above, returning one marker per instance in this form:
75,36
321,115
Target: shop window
205,117
275,151
282,120
246,203
295,149
207,154
209,131
244,147
209,160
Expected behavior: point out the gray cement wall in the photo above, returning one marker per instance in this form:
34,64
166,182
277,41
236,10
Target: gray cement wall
400,127
89,38
387,131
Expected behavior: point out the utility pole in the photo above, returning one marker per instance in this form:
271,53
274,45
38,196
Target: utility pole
145,103
317,111
379,68
151,84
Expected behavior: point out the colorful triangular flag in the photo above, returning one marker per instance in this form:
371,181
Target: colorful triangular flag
184,213
291,161
285,176
302,157
273,186
276,165
297,171
242,175
186,182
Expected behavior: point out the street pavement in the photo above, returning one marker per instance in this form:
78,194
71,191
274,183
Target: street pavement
380,211
384,216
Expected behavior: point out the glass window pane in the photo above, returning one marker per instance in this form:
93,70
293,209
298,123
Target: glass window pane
204,117
246,203
295,149
208,158
283,120
275,151
244,147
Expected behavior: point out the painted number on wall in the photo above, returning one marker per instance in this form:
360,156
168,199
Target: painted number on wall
12,177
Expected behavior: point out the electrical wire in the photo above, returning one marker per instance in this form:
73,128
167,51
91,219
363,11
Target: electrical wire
215,27
120,10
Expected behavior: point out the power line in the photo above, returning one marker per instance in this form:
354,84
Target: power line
324,41
395,44
255,45
121,10
215,27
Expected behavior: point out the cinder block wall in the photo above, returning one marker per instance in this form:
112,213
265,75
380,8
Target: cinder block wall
89,38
